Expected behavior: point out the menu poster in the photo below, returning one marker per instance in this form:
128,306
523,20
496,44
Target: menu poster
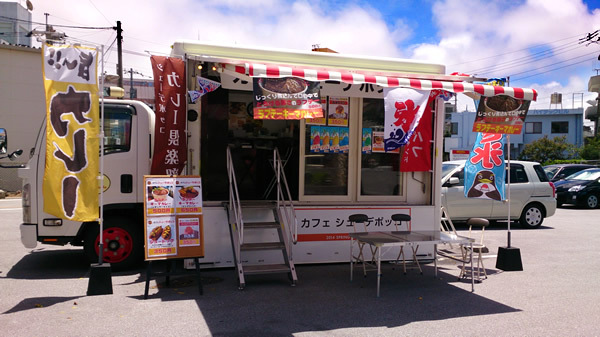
161,234
344,140
366,140
319,120
378,144
315,139
173,217
501,114
189,231
188,195
159,196
238,116
325,139
334,134
286,98
338,111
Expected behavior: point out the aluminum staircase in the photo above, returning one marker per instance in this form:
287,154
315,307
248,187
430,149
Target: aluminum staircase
273,235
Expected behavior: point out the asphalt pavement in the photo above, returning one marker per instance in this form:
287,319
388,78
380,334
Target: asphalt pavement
43,293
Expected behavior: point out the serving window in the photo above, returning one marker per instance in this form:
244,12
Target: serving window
362,171
326,152
379,170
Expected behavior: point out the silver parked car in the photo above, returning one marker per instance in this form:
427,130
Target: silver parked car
532,195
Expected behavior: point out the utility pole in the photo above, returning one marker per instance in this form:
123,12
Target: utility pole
47,29
597,116
131,83
119,54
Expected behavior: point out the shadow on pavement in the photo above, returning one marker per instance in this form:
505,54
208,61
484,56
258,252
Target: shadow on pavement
56,264
325,300
39,302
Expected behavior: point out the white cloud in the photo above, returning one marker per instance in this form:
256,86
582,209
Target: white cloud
155,25
475,30
481,32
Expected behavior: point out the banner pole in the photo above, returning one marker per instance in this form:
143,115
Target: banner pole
101,178
100,282
508,189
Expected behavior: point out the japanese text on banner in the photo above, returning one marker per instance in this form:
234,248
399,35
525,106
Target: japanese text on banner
484,170
286,98
70,185
170,143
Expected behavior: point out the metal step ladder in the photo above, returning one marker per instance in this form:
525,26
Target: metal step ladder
261,230
283,222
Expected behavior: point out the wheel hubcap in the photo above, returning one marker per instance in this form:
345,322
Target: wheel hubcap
117,245
592,201
533,216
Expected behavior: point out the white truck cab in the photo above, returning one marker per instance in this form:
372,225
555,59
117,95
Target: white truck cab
128,128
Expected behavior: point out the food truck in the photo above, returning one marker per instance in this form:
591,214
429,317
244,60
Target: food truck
298,138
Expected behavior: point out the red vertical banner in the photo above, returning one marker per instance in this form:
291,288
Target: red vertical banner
170,142
417,153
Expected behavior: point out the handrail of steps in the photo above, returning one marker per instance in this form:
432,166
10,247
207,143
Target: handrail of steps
284,200
235,207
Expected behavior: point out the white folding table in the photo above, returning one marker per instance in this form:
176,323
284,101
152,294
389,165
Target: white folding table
381,240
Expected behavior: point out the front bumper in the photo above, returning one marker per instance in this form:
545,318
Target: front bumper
567,198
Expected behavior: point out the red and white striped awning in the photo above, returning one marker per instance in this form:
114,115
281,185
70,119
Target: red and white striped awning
263,70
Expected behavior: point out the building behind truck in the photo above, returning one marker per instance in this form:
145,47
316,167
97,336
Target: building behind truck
23,105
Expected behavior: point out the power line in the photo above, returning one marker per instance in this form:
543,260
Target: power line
62,26
548,53
552,64
544,72
99,11
515,51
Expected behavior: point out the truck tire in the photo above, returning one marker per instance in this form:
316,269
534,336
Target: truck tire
532,216
123,245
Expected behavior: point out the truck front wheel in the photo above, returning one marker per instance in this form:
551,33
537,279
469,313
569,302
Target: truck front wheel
122,244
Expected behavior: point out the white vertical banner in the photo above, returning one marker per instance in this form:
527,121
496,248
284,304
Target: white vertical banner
403,110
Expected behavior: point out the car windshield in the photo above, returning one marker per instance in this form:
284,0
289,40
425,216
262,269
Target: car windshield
551,171
448,167
585,175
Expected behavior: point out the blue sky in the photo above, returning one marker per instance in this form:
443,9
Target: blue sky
535,42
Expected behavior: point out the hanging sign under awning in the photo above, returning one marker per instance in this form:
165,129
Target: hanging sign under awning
286,98
501,114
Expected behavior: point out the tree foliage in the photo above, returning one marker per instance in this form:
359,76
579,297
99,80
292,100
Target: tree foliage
544,150
591,150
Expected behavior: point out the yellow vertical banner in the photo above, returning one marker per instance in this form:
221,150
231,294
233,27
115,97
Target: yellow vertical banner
70,184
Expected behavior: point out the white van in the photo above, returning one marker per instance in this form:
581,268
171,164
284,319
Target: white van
532,195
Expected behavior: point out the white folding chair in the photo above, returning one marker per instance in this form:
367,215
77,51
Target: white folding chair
398,220
479,247
361,219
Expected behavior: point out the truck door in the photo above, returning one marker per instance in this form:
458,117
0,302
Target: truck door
120,154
